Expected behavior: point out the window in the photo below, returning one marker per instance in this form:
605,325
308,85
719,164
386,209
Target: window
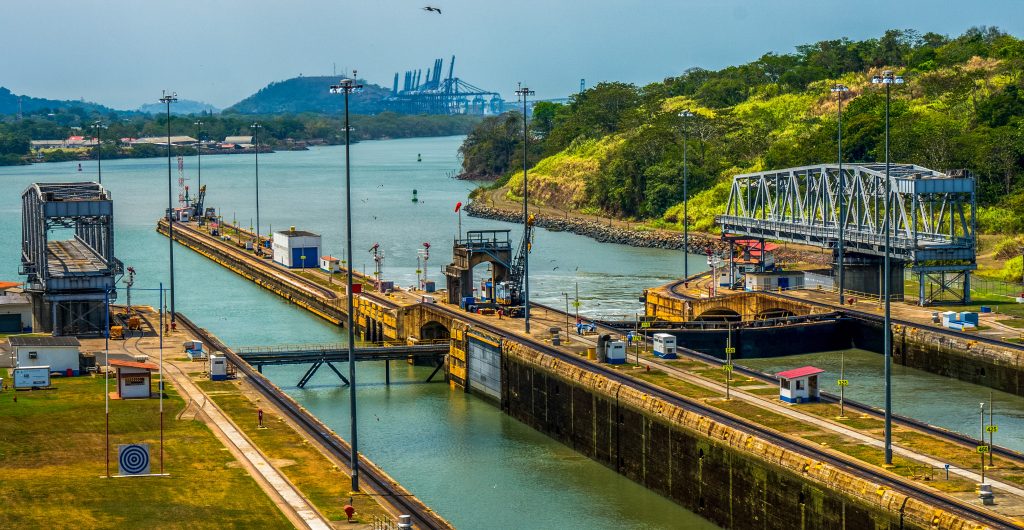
785,384
134,380
799,384
33,355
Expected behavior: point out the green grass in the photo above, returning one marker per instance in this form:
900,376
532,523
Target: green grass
307,468
52,458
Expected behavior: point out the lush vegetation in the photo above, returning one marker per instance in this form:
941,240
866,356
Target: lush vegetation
276,131
310,94
618,148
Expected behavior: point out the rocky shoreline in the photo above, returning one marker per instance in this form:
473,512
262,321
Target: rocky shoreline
699,243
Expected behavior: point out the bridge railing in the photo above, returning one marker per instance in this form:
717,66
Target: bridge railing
331,347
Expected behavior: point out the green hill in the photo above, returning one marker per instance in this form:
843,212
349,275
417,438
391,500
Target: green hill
309,94
10,103
616,149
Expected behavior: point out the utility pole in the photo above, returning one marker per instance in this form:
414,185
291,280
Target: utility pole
729,350
168,99
980,448
842,385
98,129
346,87
524,93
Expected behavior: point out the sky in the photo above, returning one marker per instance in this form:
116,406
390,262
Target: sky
123,53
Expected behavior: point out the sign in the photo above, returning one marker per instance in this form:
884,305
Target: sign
730,350
133,459
843,382
727,367
992,428
982,449
645,324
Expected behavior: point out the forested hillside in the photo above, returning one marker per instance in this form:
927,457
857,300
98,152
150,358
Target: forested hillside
617,148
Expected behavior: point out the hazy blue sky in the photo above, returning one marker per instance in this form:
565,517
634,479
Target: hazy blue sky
123,53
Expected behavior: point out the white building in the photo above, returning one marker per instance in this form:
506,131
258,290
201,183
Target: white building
799,384
134,379
330,264
59,353
297,248
15,309
664,345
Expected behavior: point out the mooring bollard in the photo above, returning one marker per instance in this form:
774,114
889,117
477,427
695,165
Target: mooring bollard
405,521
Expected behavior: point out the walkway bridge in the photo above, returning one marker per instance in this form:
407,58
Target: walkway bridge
931,220
316,355
69,278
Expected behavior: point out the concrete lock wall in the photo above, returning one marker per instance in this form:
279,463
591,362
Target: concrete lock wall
772,341
731,478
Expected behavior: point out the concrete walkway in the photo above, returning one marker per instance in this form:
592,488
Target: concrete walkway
292,503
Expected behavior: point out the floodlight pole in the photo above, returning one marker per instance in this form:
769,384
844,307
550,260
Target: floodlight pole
686,201
168,99
160,386
106,374
256,139
840,90
888,79
199,157
525,92
346,87
98,129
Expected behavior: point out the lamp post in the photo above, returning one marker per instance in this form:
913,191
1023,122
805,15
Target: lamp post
839,91
685,114
982,415
888,79
98,130
256,142
346,87
167,99
525,92
199,156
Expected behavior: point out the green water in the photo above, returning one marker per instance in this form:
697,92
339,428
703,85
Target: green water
462,456
918,394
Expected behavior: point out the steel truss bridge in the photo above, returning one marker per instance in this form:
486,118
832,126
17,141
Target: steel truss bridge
931,217
69,278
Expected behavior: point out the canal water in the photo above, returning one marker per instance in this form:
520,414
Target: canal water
462,456
476,466
917,394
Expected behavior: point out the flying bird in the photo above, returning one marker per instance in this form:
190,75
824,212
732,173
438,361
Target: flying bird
434,9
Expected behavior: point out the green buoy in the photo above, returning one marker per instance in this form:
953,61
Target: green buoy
414,197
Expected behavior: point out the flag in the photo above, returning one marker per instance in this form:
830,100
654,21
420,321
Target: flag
458,206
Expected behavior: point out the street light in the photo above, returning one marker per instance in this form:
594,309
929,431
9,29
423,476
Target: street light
98,130
524,92
840,91
256,141
346,87
686,218
888,79
199,156
168,99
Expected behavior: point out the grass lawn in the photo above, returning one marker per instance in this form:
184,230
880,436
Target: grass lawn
51,461
312,473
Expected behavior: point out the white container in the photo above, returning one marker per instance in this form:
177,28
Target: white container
615,352
664,345
218,368
32,377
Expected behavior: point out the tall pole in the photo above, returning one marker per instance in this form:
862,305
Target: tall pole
840,90
106,374
346,86
686,201
525,92
168,99
982,415
888,79
199,157
160,387
991,426
98,128
256,139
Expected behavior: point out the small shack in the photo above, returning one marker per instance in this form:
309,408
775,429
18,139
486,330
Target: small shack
776,280
799,384
134,379
330,264
15,309
296,248
59,353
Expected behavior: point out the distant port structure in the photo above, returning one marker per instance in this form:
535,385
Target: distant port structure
426,92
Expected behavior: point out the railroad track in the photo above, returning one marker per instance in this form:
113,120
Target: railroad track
422,516
847,464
